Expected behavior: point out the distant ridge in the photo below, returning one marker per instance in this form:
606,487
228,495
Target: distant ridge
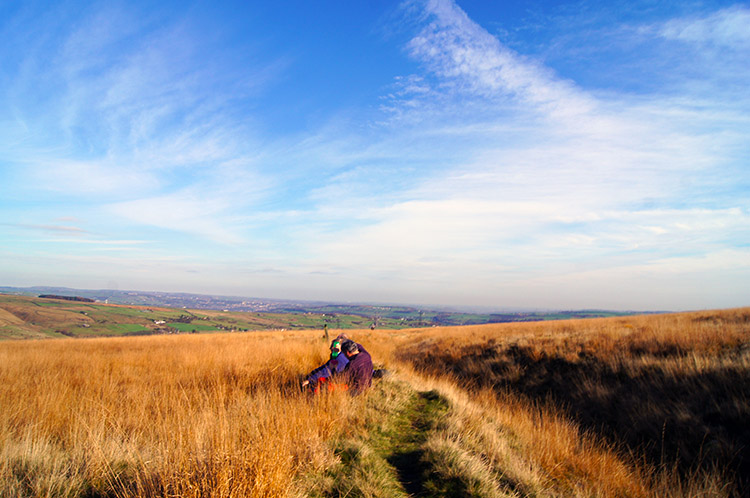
67,298
407,315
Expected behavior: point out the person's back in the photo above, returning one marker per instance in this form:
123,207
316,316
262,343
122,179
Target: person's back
358,371
335,365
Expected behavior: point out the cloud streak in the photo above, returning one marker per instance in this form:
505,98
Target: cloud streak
457,49
727,28
140,117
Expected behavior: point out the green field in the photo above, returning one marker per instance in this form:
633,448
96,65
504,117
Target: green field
127,329
32,317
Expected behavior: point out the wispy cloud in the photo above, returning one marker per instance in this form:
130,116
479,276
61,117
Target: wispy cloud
189,211
57,229
113,244
584,182
144,116
457,49
726,28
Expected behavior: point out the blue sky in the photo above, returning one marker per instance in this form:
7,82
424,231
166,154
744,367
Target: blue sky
505,154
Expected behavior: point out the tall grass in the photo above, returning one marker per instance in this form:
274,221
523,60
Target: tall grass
670,390
215,415
573,408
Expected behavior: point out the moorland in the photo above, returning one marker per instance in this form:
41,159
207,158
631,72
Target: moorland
640,406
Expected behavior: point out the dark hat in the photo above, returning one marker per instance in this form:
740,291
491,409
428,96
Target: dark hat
349,347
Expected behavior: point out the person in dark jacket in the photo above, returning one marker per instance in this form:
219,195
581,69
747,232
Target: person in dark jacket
335,365
358,372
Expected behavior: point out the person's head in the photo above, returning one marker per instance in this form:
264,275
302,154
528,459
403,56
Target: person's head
335,348
341,337
349,348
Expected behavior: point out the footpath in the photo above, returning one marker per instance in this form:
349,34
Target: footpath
397,454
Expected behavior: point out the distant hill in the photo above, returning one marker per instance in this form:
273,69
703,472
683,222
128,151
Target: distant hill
30,317
67,298
262,314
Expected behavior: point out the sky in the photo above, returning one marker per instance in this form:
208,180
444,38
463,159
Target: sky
539,154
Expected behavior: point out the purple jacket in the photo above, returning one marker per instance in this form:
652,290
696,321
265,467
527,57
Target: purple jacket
331,367
358,373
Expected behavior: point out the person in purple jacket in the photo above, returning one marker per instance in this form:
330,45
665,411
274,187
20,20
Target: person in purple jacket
358,372
335,365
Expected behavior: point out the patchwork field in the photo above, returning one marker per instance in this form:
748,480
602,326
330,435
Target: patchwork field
24,317
646,406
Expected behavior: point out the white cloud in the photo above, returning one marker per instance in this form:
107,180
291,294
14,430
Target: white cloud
57,229
190,211
713,279
583,183
114,102
110,244
76,177
728,28
456,48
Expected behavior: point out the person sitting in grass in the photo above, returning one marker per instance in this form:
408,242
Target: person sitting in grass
335,365
358,372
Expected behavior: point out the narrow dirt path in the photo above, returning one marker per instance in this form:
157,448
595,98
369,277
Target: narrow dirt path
387,460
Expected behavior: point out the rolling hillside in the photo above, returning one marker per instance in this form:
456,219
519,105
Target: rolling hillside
34,317
339,315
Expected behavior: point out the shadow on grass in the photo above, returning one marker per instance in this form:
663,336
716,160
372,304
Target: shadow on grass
411,470
408,447
682,421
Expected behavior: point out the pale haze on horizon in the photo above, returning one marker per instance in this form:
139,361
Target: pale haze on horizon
558,155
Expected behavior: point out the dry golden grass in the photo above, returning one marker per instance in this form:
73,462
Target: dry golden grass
159,416
221,414
670,390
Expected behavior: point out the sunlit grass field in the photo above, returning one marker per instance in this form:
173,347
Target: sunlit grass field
637,406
